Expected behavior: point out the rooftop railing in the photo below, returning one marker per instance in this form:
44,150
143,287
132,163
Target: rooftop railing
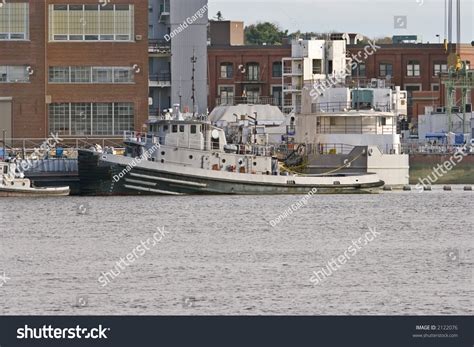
336,107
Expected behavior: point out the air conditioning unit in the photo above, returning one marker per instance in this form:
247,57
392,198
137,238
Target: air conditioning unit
138,37
439,110
455,109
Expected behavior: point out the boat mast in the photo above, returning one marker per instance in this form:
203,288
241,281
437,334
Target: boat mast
193,97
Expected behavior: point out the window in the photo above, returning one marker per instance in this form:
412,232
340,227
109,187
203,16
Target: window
410,89
14,74
252,93
80,74
253,71
413,68
174,128
181,128
91,22
90,74
332,121
227,70
102,75
85,119
440,68
226,95
277,94
277,69
435,87
317,66
359,71
58,74
193,129
385,69
330,67
14,21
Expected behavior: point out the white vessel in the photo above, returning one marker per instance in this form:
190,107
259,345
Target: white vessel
189,156
13,186
343,119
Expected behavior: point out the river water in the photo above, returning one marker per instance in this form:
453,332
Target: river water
220,255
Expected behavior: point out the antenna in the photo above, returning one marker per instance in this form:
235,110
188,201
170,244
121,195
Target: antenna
193,97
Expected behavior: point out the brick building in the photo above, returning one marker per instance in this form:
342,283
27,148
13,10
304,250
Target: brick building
78,67
242,73
414,67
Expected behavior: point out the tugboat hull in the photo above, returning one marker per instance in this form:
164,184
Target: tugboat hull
104,174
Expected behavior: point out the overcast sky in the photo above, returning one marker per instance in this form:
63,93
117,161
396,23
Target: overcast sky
372,18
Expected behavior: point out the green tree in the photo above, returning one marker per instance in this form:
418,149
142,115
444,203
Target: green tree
264,33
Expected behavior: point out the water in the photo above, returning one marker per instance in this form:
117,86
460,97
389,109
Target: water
220,255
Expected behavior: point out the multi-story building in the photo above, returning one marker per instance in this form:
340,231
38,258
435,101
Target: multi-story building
75,68
159,56
414,67
178,32
310,61
241,73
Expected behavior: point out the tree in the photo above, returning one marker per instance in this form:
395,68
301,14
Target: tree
264,33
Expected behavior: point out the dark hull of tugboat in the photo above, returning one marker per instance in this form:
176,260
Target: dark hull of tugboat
96,177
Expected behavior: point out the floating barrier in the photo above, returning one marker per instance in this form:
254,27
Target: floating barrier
468,188
407,188
447,188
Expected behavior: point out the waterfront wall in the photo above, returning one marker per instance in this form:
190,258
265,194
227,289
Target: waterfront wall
421,166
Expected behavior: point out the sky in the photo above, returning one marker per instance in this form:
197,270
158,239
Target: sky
372,18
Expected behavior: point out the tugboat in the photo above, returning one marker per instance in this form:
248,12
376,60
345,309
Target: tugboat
13,186
180,156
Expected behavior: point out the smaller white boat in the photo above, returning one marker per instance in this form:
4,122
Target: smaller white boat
13,186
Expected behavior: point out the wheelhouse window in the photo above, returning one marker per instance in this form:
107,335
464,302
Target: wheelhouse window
85,119
227,70
385,69
413,68
14,20
91,22
14,74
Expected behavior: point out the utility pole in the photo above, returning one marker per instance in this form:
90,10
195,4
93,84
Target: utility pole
193,97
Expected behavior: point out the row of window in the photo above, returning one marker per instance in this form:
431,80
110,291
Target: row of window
89,119
413,69
71,22
90,74
91,22
251,70
14,74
